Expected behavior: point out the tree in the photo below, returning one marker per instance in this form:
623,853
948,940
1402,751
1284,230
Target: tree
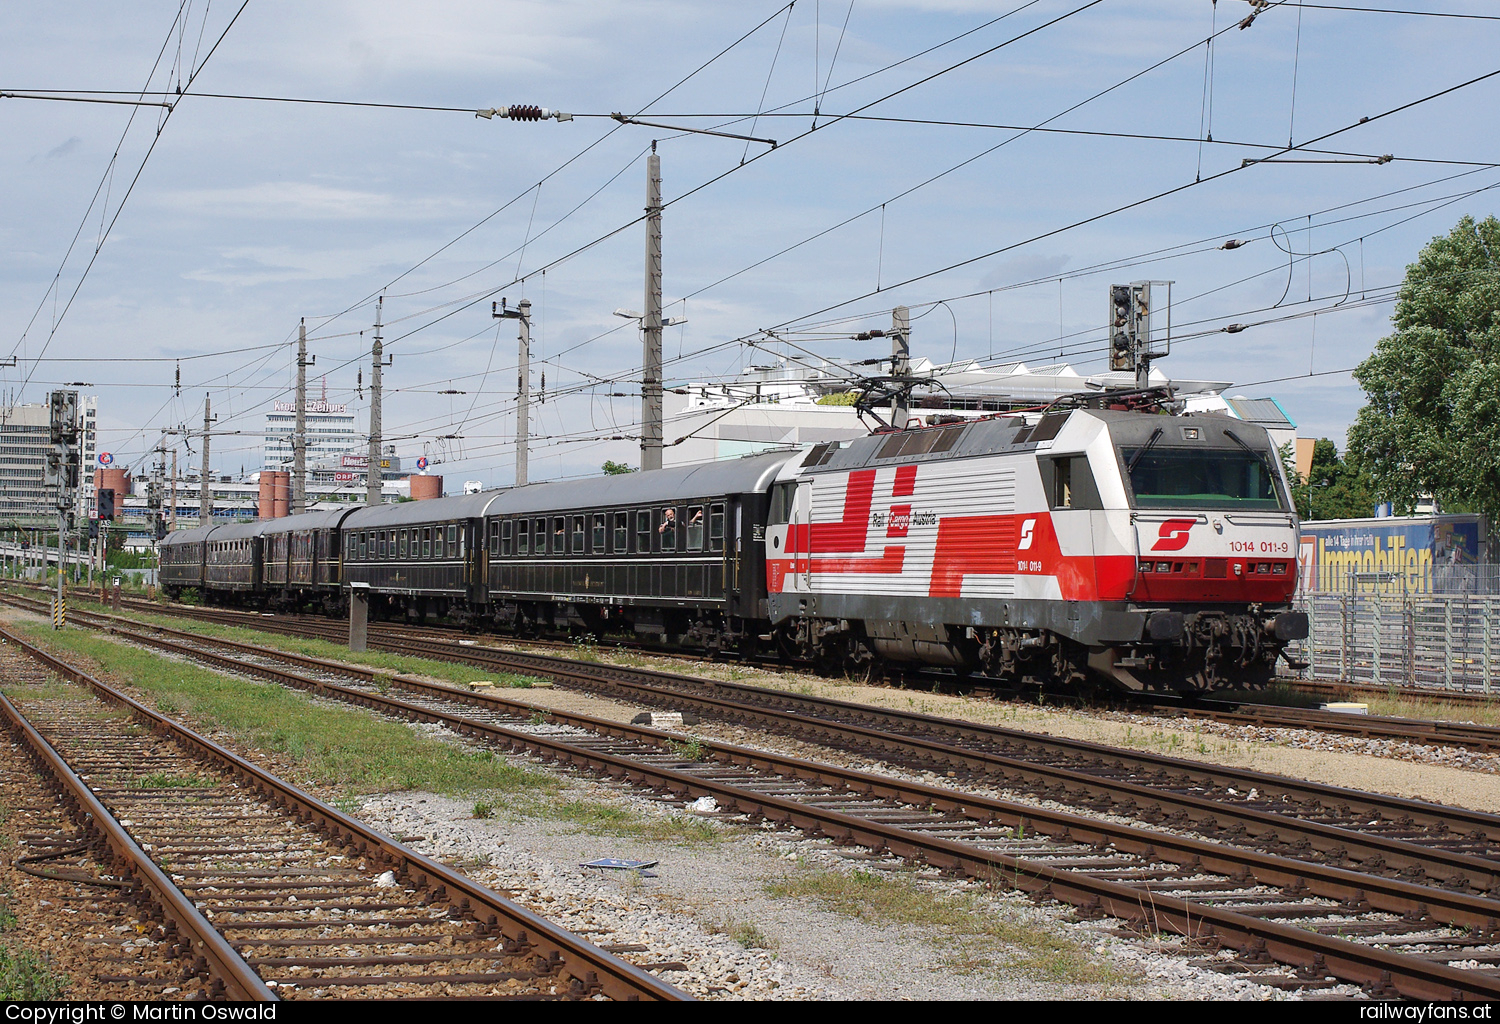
1432,421
1333,489
612,468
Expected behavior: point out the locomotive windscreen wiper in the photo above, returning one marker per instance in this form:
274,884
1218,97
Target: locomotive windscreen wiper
1260,456
1141,454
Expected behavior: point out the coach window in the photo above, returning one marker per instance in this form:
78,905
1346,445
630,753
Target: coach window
577,547
364,544
427,542
402,535
560,535
539,537
380,544
452,541
695,528
622,532
599,533
351,546
494,537
668,529
716,527
523,536
643,532
505,538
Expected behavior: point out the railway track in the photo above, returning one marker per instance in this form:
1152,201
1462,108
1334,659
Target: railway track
1431,732
260,890
1465,735
1262,908
1420,841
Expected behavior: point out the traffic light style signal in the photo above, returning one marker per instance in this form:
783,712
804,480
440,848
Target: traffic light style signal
106,503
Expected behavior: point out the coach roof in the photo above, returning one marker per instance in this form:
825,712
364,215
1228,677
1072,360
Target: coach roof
680,483
435,510
325,520
196,534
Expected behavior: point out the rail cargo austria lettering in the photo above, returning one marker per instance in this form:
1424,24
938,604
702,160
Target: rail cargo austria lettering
1410,554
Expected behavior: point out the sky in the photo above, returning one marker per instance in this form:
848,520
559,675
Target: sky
155,255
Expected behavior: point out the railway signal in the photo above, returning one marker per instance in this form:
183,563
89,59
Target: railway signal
1131,345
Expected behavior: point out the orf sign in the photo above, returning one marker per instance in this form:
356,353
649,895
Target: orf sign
105,459
422,462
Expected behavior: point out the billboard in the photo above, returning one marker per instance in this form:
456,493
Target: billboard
1410,554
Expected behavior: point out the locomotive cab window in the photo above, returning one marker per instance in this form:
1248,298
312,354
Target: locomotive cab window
781,504
695,528
1071,483
1202,478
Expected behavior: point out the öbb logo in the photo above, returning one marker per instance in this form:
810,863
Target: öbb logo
1173,535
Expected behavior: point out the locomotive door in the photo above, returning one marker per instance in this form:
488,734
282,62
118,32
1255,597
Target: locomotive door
799,539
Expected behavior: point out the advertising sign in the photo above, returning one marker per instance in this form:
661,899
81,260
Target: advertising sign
1400,553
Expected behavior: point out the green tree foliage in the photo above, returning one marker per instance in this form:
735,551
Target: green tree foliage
1432,422
612,468
1333,489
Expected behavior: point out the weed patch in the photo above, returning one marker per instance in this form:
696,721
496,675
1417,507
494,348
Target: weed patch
605,819
161,780
968,932
25,976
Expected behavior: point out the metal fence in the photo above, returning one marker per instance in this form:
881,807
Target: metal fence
1438,641
1430,578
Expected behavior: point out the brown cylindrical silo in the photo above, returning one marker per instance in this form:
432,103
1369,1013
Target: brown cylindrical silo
265,501
425,487
117,480
281,495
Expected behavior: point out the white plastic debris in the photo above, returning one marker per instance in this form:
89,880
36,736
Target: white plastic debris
703,805
386,880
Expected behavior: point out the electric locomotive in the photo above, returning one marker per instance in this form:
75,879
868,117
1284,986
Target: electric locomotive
1146,551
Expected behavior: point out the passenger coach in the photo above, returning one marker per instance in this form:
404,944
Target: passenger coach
675,553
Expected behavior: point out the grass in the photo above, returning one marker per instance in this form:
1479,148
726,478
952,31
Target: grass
161,780
598,818
745,933
24,976
483,809
969,932
343,748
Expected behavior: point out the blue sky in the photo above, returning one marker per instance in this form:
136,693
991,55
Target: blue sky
250,215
